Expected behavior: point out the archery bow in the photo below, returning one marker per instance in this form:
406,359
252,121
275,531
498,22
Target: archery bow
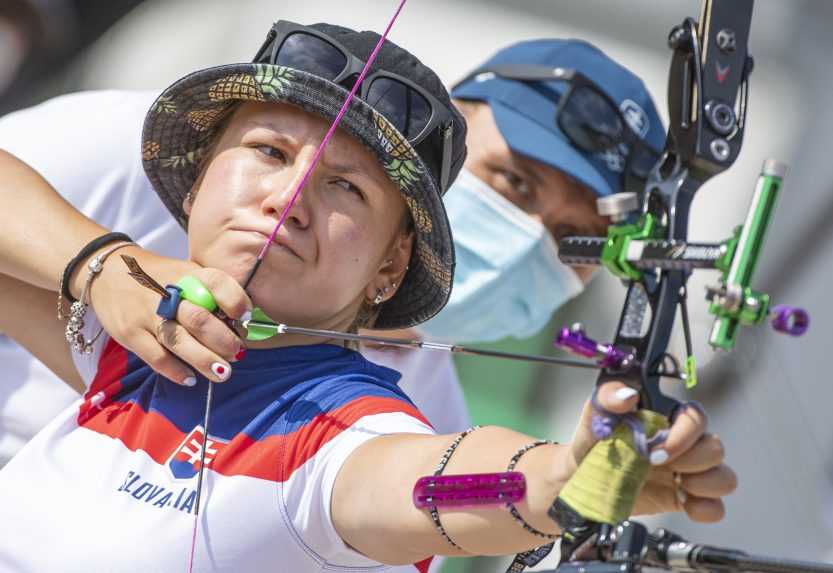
647,246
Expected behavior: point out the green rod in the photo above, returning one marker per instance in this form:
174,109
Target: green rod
741,305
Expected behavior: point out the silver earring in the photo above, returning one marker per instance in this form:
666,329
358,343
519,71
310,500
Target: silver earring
378,299
393,285
188,197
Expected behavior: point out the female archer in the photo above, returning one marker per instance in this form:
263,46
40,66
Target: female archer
312,452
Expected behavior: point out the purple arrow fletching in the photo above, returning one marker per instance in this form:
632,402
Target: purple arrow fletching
467,490
790,320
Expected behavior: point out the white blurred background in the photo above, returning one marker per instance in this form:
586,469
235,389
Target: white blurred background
769,400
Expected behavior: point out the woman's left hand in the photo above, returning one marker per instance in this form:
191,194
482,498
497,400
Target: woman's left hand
688,472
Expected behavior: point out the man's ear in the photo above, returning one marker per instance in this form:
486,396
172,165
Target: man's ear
392,270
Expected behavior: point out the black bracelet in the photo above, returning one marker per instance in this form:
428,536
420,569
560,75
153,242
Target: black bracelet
88,249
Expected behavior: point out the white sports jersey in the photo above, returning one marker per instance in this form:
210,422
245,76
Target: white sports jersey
110,484
92,157
87,146
429,378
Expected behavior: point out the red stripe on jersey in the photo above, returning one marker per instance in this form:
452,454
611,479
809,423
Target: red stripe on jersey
272,458
138,430
275,458
423,565
112,365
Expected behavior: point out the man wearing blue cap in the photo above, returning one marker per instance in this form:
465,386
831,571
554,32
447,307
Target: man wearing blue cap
553,124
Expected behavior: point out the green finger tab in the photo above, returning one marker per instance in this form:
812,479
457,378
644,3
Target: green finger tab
195,292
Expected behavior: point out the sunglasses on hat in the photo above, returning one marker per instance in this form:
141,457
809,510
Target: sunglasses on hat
420,117
586,115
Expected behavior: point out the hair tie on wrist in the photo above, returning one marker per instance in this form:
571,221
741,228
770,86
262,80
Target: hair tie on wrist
86,251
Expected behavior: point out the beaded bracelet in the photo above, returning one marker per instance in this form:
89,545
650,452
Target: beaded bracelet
78,309
531,557
511,506
433,511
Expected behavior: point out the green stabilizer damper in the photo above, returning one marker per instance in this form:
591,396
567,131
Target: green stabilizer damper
734,303
606,484
619,237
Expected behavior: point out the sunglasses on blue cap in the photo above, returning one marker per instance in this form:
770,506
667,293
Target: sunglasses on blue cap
586,115
420,117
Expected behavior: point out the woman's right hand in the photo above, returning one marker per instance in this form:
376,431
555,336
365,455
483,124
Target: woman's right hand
196,341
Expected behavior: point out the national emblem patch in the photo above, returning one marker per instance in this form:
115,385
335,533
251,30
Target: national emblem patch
184,463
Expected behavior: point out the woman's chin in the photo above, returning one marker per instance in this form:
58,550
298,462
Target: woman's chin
304,318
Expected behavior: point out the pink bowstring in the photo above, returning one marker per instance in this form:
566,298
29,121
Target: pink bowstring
330,132
193,546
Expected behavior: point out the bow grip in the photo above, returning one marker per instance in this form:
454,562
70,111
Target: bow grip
605,486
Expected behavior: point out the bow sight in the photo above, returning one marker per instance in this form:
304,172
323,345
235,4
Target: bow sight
647,246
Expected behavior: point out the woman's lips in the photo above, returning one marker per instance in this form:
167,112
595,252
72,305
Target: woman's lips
278,242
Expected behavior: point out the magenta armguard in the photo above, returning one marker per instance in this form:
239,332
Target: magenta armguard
469,490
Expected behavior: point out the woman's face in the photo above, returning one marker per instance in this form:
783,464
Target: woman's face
343,239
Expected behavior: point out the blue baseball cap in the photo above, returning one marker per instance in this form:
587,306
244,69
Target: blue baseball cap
525,112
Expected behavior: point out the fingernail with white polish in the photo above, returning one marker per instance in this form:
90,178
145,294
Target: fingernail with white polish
221,371
658,457
190,381
624,394
246,316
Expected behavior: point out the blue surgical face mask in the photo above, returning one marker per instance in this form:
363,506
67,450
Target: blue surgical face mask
508,280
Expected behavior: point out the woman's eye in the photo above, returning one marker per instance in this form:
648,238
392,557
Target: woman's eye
272,152
347,186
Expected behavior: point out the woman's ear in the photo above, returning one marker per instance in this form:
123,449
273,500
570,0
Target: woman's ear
392,270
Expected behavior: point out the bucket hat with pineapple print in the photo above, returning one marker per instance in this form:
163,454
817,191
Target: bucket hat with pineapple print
183,122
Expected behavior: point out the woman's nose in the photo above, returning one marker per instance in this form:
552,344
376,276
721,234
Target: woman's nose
283,195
